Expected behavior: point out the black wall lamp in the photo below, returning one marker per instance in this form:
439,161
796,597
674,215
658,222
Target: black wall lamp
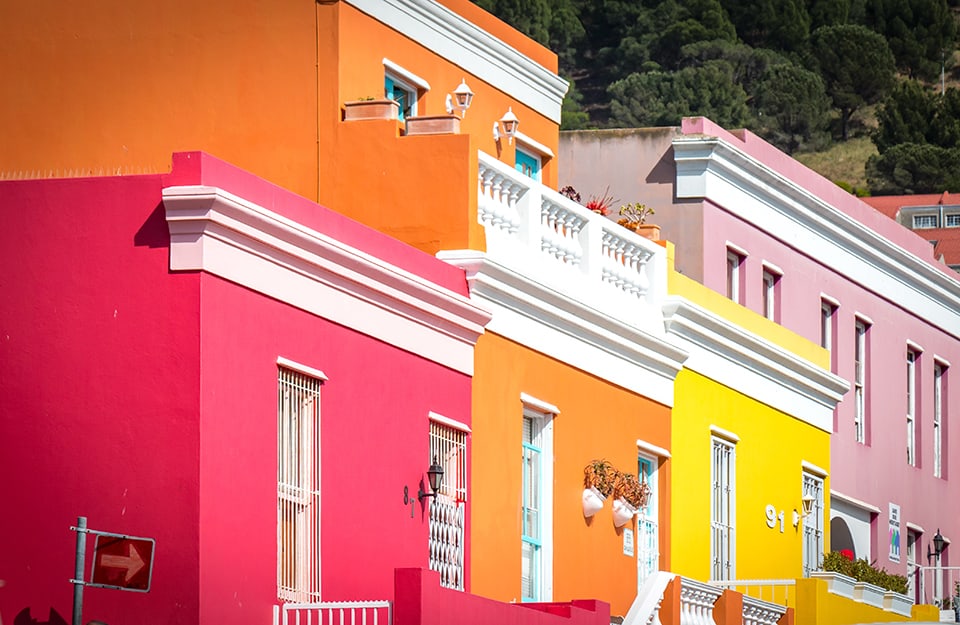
434,479
937,547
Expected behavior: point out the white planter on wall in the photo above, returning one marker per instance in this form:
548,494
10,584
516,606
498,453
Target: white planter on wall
622,512
895,602
837,583
592,501
868,593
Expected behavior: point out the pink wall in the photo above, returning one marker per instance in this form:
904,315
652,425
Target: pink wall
99,388
146,401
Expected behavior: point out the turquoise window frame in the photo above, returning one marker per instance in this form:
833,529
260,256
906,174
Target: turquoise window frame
532,454
402,93
527,164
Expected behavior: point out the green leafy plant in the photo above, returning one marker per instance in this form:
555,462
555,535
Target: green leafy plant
633,491
601,475
635,213
864,571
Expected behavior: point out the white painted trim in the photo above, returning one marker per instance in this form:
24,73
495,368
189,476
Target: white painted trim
724,434
830,300
304,369
406,75
450,423
538,405
750,364
472,49
809,467
565,327
736,249
534,145
940,360
916,528
215,231
652,449
771,268
856,503
711,168
914,347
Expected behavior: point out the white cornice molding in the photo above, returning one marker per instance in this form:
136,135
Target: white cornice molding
745,362
215,231
473,49
853,502
532,314
711,168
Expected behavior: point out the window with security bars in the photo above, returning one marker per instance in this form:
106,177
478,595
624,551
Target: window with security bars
648,532
813,524
531,543
448,448
952,220
298,486
926,221
722,510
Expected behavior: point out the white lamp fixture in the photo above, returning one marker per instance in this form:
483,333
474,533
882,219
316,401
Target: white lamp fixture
509,123
807,506
460,99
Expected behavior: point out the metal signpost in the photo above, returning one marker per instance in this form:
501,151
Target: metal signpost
120,562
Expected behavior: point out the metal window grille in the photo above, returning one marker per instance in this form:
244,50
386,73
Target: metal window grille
937,419
648,532
952,220
448,447
859,383
298,487
813,524
531,555
722,517
925,221
911,407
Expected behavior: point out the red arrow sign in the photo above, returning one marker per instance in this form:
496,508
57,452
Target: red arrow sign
123,562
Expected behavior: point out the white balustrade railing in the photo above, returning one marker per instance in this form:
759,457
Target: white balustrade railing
937,584
777,591
528,222
334,613
645,609
696,602
758,612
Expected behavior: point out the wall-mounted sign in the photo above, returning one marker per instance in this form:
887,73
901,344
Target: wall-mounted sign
894,532
628,542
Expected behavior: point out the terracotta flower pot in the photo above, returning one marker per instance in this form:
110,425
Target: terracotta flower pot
370,109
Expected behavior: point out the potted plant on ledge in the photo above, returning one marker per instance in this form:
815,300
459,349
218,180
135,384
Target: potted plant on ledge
598,482
634,217
370,108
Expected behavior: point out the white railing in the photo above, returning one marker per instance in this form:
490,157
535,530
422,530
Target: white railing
757,612
696,602
645,609
777,591
334,613
938,583
524,218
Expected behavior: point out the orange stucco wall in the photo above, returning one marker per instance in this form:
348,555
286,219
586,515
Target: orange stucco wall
421,190
115,86
597,420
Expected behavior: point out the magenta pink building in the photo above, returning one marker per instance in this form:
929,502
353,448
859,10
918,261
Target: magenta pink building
752,223
254,381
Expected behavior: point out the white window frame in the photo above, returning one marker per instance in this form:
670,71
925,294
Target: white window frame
723,509
828,327
736,257
951,220
912,398
925,222
813,523
542,415
447,509
414,85
939,409
298,481
860,417
648,519
771,291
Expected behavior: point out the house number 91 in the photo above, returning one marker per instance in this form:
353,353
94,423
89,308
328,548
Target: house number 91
773,517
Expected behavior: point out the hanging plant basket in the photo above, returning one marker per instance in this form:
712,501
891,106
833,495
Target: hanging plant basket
592,501
623,512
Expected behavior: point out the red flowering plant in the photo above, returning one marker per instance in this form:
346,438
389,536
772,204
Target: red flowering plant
601,204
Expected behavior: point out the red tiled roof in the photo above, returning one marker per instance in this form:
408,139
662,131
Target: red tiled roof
889,205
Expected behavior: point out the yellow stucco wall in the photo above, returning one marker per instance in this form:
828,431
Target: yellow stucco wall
816,606
769,455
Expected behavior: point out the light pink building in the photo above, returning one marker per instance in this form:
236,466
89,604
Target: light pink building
752,223
254,381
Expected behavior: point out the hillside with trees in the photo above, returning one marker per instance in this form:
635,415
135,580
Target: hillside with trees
799,73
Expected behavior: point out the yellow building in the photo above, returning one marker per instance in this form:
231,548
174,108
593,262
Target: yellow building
750,441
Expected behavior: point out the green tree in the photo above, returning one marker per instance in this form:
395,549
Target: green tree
828,13
776,24
856,65
906,116
914,168
662,98
918,32
791,107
